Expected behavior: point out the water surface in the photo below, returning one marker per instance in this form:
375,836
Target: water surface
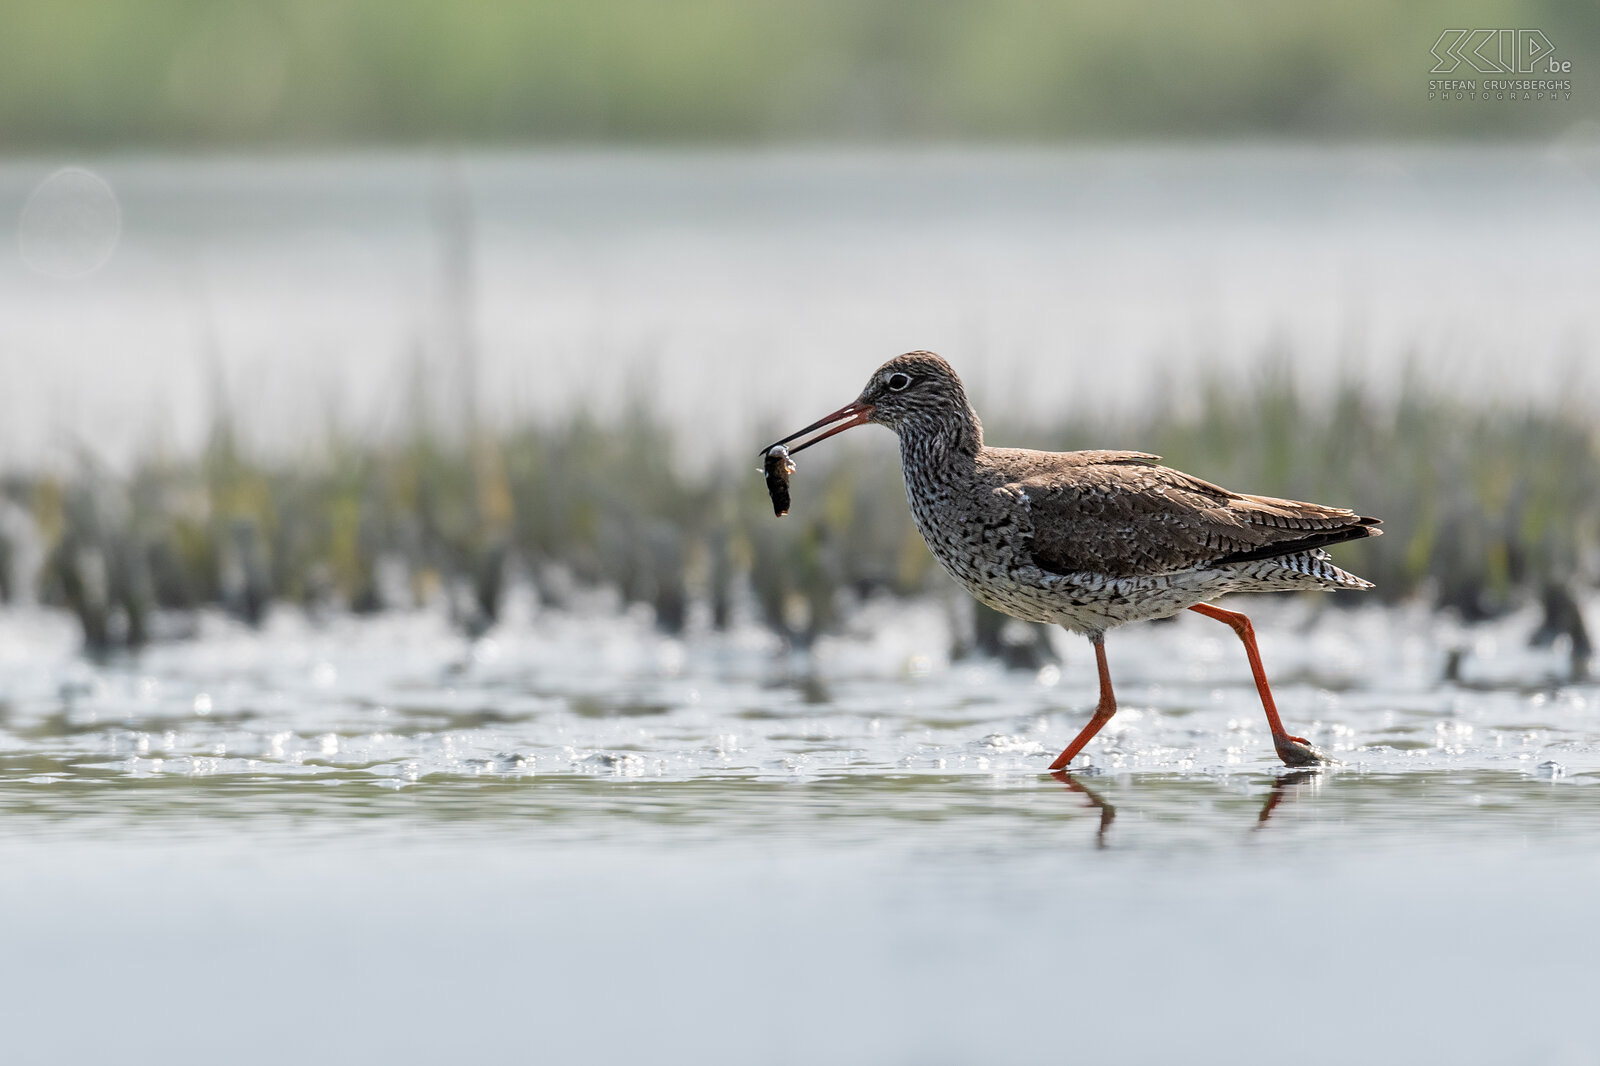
579,839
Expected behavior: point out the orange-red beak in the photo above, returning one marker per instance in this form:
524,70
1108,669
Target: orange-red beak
853,414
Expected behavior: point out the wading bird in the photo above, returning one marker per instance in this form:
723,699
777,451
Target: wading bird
1090,540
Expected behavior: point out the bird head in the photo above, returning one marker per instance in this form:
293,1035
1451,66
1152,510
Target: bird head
915,388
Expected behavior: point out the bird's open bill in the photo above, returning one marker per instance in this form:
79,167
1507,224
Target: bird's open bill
852,414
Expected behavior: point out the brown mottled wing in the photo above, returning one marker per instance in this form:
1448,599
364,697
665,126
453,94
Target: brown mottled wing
1120,514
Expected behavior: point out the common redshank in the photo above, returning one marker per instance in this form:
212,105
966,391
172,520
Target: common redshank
1090,540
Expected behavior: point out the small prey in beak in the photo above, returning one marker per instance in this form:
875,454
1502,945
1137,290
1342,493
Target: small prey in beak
777,465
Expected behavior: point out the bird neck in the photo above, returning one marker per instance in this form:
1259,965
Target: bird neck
935,441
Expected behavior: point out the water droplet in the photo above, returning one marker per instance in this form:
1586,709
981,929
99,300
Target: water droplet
70,224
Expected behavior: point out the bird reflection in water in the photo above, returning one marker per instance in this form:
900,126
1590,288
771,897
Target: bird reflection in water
1108,813
1285,786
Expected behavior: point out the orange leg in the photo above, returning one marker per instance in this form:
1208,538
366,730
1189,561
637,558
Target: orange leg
1294,751
1102,713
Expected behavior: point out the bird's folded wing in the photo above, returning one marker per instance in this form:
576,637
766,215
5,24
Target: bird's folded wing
1124,516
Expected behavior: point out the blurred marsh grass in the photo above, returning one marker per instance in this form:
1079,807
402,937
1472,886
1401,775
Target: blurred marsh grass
1483,508
293,72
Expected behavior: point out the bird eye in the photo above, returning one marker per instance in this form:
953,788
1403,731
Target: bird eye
899,382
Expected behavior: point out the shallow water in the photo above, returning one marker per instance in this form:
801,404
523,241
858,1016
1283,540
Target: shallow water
396,703
580,840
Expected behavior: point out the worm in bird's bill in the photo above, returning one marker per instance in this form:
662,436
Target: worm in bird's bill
778,466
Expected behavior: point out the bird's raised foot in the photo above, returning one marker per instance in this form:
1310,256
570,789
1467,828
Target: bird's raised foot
1297,751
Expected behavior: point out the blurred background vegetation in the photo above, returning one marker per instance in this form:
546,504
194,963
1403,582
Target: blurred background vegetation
171,73
1483,508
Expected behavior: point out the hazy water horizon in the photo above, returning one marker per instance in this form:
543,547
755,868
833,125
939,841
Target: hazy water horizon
739,289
